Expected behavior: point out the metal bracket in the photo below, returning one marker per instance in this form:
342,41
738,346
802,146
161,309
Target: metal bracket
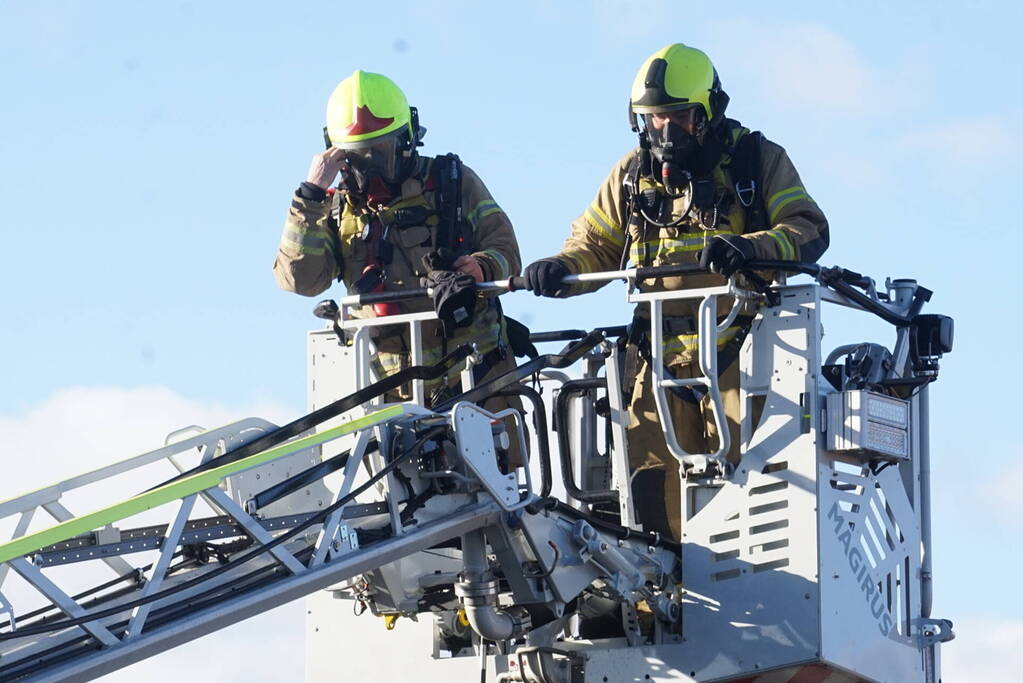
934,631
475,439
345,541
544,665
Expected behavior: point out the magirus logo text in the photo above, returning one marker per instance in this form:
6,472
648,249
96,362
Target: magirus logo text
858,564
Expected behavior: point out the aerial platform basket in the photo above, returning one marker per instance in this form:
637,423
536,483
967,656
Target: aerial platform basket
806,560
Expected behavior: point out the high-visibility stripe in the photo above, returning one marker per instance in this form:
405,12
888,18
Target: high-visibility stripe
672,246
308,239
181,488
785,247
783,198
584,262
307,243
691,342
503,269
483,209
600,222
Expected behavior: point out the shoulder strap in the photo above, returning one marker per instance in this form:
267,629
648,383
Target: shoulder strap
451,232
745,172
633,197
337,203
630,181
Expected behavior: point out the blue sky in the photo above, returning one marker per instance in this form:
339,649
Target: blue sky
150,152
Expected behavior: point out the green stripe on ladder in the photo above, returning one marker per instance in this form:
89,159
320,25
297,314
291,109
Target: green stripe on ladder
179,489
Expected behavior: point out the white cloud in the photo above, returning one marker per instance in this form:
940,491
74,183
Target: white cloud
979,141
803,66
1001,494
627,21
812,66
269,647
79,429
984,649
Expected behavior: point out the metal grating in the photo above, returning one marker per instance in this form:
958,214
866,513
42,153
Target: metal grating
755,539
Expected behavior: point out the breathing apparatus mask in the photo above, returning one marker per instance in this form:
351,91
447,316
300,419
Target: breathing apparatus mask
380,158
673,147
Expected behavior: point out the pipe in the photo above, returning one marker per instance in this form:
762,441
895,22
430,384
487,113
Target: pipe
478,592
843,350
924,429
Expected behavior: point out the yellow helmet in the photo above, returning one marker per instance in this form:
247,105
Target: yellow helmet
677,77
369,117
365,107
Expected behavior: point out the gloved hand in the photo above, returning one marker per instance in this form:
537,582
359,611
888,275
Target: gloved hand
454,292
439,259
726,254
543,277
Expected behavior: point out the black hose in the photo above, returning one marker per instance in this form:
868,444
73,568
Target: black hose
569,355
38,660
569,335
304,478
331,410
568,390
619,531
540,426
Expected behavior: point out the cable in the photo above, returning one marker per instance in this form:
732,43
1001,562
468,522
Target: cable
554,564
133,574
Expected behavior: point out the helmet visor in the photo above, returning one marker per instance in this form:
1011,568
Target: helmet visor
374,158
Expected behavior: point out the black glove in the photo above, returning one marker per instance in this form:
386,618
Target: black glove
454,292
543,277
726,254
439,259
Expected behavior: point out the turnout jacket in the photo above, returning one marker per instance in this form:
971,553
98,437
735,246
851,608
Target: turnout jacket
330,240
796,231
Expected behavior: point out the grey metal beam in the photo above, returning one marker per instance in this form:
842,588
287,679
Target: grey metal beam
290,588
41,583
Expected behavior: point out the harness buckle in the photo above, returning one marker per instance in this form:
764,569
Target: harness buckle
748,191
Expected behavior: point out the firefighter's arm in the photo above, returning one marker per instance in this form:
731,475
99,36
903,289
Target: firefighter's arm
597,239
306,263
799,230
497,251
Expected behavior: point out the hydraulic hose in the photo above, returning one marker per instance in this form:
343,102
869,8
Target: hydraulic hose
619,531
331,410
570,335
540,425
568,390
569,355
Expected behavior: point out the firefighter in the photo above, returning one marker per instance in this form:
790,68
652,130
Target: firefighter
396,218
699,188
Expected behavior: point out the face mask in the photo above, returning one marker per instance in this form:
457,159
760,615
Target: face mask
376,161
680,154
670,143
